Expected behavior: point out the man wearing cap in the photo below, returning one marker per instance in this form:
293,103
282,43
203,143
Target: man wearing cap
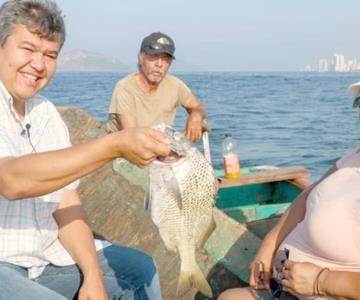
47,248
151,96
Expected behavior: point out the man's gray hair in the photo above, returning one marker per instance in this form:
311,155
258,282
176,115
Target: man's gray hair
140,61
40,17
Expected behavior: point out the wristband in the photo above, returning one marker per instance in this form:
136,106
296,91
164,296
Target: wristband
316,290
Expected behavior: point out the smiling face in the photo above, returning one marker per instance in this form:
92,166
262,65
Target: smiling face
27,63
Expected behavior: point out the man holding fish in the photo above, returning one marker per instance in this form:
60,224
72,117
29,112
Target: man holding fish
47,250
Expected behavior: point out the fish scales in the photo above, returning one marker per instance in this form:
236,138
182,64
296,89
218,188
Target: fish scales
181,198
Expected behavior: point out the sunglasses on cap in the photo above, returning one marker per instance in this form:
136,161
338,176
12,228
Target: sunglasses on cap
168,48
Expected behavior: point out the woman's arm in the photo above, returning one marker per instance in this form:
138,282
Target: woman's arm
292,216
310,279
340,284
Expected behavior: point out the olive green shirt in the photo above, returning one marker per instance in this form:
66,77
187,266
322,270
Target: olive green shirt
148,108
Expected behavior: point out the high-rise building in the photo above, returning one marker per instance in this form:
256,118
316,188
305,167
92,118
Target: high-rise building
308,68
352,64
339,63
323,65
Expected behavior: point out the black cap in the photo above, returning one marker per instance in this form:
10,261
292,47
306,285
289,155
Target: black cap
156,43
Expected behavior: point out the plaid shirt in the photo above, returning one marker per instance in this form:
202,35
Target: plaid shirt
28,231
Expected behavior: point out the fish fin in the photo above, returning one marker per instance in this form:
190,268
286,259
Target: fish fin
194,278
147,198
206,235
169,244
174,187
170,247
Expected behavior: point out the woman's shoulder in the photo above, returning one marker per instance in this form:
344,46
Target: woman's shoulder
350,159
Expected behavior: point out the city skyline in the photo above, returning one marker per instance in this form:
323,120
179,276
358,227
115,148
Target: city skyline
337,63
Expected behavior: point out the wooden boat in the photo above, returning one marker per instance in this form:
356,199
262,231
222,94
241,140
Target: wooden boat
260,195
245,210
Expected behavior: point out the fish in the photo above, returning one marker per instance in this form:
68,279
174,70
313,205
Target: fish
180,198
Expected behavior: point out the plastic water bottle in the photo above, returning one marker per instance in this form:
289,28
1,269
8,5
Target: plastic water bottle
231,157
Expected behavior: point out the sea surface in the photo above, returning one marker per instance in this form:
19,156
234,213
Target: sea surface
282,119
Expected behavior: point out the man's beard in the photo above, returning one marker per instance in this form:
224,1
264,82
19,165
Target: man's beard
160,74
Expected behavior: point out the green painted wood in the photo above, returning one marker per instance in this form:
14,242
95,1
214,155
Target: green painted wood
256,201
238,196
113,199
244,214
231,246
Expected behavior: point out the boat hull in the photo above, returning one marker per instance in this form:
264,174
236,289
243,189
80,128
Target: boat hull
113,199
244,215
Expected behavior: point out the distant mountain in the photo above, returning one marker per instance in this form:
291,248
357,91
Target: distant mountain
180,65
85,61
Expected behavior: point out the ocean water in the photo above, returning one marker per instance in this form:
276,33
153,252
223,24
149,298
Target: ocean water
282,119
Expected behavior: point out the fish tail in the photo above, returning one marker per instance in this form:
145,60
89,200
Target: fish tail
193,278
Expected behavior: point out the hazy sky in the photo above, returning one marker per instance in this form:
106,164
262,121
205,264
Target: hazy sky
226,35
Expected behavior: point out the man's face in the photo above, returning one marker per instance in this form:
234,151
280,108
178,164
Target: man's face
154,67
27,63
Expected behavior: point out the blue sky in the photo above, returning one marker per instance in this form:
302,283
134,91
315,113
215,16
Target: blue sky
227,35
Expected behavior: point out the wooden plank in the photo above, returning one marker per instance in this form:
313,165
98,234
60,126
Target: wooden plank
265,176
302,183
232,245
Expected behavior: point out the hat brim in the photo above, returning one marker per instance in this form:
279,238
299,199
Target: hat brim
354,88
150,51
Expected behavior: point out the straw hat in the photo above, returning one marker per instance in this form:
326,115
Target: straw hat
354,88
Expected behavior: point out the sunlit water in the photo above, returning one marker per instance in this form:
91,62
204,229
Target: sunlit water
283,119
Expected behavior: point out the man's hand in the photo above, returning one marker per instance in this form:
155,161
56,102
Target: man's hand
300,277
142,145
193,129
92,289
197,112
